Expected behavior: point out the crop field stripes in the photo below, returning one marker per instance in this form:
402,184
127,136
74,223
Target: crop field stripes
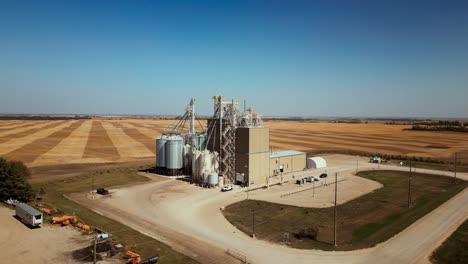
30,131
14,131
152,131
16,145
4,127
423,139
137,135
126,145
416,142
99,144
315,144
44,141
338,138
70,149
369,145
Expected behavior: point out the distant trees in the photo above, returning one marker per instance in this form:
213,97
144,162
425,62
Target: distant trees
43,117
441,125
13,181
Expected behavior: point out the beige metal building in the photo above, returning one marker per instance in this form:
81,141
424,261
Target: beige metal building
253,154
254,161
286,161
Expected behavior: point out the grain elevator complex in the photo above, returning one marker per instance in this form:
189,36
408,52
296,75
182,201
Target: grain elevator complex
234,147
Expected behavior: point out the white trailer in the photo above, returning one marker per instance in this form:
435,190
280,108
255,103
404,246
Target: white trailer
28,215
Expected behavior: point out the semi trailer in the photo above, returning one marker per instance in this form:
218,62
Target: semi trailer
28,215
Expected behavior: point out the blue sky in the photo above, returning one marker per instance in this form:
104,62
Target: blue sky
289,58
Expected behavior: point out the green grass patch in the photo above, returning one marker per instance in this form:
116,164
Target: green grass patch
455,248
144,245
362,222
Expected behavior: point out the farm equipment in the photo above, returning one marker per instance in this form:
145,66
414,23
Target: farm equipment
102,191
47,209
133,258
83,227
65,220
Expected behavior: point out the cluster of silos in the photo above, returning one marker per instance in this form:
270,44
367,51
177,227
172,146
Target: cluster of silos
205,165
169,154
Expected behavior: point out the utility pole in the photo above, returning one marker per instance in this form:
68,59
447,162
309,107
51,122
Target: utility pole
253,223
94,250
313,193
409,185
455,169
336,196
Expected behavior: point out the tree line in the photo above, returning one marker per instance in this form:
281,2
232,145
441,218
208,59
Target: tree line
14,181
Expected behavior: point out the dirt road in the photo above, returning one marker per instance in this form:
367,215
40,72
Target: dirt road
189,219
48,244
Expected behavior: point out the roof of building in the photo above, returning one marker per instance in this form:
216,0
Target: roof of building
284,153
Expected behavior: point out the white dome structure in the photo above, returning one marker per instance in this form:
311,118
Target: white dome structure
316,163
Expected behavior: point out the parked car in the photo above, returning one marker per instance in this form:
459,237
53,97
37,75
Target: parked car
311,178
227,188
323,175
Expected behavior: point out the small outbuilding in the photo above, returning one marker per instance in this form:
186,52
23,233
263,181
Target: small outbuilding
316,163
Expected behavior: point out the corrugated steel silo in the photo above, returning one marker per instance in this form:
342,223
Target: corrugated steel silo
202,140
174,155
161,154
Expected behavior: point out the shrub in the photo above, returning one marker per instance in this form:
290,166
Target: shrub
309,233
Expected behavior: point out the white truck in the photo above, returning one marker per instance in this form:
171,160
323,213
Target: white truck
28,215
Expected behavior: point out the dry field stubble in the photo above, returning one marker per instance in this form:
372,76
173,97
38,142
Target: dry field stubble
372,137
104,141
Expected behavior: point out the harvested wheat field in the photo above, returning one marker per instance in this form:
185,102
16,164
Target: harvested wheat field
372,138
45,144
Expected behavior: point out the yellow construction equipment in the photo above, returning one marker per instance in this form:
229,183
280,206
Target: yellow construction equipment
48,210
83,227
133,257
65,220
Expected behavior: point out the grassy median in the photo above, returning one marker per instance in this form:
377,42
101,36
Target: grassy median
362,222
455,248
53,194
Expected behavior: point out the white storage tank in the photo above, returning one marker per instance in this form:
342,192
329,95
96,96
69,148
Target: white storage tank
196,172
316,163
187,159
213,179
205,176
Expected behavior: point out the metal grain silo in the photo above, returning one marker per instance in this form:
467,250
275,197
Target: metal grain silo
174,155
201,142
161,154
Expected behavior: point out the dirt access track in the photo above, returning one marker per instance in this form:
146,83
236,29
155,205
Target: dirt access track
189,219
